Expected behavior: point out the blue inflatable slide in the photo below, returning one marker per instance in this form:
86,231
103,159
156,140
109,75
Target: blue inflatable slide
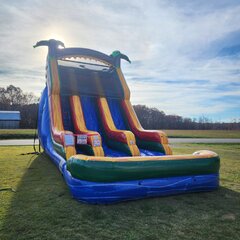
89,129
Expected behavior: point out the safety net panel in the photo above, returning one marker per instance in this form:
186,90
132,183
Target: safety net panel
81,76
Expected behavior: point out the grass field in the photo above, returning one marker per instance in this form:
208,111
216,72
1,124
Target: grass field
29,133
39,205
16,133
203,133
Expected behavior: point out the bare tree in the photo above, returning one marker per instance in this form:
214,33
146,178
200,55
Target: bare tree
11,97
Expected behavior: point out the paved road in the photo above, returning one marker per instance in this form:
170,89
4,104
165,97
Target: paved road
204,140
20,142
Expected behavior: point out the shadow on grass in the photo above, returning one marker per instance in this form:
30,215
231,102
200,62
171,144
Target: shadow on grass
42,208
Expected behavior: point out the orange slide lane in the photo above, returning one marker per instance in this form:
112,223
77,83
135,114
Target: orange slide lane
58,131
112,132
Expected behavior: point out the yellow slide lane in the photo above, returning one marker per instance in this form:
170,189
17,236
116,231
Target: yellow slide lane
80,125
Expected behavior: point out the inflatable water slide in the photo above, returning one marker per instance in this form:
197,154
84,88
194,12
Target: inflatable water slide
88,127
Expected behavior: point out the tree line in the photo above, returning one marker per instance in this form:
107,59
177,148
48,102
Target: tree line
152,118
14,99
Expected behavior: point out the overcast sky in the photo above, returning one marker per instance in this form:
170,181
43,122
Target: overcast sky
185,54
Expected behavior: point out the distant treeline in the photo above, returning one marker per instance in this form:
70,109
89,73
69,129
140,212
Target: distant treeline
13,98
152,118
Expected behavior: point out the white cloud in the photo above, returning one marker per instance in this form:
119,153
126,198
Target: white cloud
166,41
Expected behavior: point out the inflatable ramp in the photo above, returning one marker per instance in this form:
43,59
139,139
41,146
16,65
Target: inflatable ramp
89,129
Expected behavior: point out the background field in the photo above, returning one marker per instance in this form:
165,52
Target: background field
42,208
29,133
203,133
16,133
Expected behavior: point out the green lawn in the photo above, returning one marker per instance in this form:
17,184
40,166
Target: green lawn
29,133
16,133
42,208
203,133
